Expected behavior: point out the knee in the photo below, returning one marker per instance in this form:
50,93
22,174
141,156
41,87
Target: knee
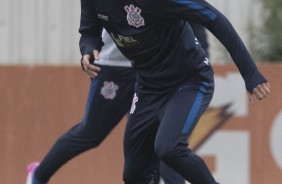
137,173
164,151
168,152
80,135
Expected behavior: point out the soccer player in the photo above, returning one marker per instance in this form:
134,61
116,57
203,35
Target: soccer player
175,81
112,85
111,92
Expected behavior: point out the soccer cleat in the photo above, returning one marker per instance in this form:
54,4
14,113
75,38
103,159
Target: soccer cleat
30,172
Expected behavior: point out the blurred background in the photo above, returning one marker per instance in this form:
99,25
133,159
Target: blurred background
43,93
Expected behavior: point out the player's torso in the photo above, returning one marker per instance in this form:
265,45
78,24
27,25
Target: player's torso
131,27
158,45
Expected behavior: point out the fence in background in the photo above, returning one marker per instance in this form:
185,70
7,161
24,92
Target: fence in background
46,32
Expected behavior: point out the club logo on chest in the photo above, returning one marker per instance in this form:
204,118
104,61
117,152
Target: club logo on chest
133,16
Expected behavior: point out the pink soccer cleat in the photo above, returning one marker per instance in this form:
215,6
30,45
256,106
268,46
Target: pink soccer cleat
30,171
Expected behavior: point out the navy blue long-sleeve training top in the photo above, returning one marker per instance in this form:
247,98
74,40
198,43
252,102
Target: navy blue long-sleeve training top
156,36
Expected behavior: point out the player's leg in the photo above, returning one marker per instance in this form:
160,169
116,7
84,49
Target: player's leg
181,114
170,176
141,164
108,102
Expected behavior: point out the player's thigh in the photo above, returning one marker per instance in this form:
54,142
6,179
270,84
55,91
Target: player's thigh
142,126
107,103
140,157
182,113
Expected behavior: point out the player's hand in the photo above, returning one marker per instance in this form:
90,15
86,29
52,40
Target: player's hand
259,92
91,69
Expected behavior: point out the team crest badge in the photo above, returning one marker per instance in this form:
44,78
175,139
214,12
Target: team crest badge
108,91
133,16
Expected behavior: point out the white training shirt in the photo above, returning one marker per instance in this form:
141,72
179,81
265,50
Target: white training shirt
110,55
